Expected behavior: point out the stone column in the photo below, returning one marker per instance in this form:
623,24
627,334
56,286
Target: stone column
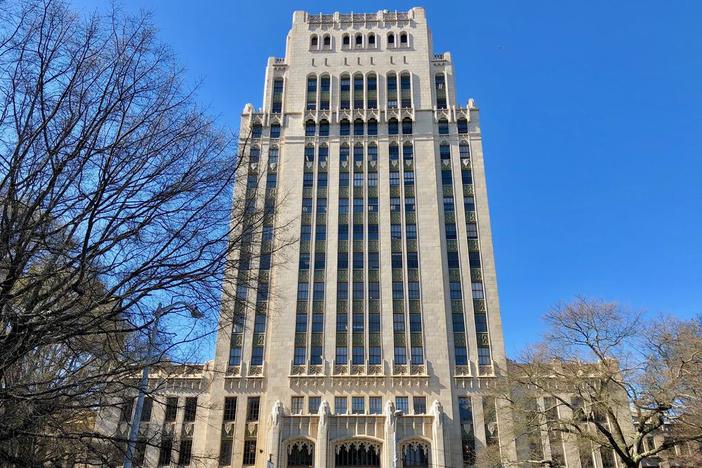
321,445
273,442
438,455
389,446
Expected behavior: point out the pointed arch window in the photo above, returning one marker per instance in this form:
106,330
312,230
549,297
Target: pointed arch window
443,127
462,125
345,91
344,127
393,127
372,127
324,128
406,126
358,127
314,41
309,128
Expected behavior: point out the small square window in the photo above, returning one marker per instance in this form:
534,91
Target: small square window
296,404
340,405
402,404
358,405
375,405
313,404
420,405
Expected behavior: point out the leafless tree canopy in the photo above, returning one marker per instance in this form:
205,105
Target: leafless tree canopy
606,380
115,194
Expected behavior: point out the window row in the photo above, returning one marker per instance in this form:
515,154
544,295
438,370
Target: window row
359,127
359,41
359,91
257,131
358,405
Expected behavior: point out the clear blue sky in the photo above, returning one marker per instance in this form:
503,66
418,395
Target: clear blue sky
591,115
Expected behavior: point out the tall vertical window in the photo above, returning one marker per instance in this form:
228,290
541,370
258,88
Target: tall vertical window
462,125
185,452
229,409
249,456
372,85
311,93
277,99
171,409
358,91
405,90
465,412
440,87
252,408
406,126
392,88
324,88
345,90
190,409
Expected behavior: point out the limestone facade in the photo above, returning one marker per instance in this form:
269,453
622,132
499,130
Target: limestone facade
376,339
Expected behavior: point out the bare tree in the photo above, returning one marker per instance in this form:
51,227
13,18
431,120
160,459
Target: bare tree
115,195
605,382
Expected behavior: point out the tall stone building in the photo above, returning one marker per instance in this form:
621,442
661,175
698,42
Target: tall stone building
376,336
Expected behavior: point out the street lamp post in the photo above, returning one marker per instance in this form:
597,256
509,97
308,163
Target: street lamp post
143,384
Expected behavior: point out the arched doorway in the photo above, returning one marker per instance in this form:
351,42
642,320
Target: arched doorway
415,454
300,454
357,454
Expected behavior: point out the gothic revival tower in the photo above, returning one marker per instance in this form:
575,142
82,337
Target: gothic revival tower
376,338
389,300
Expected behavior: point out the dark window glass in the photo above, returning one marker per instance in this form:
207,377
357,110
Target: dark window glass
252,408
229,409
146,409
225,452
249,457
190,409
171,409
185,452
310,128
165,451
474,259
345,128
275,131
358,127
443,127
393,127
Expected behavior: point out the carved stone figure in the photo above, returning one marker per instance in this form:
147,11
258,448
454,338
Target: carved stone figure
277,413
324,413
